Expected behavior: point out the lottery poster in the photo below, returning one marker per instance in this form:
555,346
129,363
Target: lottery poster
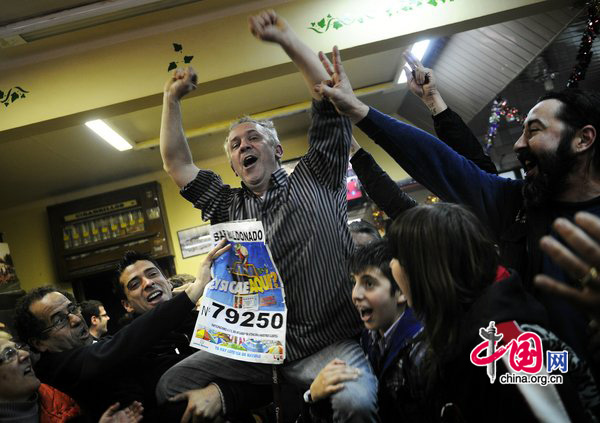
243,312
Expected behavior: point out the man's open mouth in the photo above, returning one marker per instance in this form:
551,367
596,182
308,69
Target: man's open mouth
249,160
528,161
154,296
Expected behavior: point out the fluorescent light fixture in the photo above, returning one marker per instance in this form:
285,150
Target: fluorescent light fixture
108,134
418,50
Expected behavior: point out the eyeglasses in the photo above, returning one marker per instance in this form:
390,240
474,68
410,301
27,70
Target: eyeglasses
10,353
60,320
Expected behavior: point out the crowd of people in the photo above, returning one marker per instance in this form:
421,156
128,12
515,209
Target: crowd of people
498,281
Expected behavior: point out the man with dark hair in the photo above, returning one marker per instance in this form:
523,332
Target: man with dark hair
142,286
99,374
95,317
560,132
559,171
135,296
27,325
363,232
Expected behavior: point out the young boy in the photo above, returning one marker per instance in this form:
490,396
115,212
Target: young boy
390,340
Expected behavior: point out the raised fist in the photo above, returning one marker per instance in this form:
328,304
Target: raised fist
182,82
267,26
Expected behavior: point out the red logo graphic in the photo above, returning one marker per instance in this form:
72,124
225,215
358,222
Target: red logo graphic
526,354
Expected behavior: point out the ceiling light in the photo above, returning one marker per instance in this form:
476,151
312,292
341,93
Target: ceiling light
108,134
418,50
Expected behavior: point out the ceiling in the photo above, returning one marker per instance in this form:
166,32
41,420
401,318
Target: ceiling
46,151
556,64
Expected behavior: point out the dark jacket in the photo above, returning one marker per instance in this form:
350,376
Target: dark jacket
498,202
385,192
97,375
468,386
148,367
397,400
451,129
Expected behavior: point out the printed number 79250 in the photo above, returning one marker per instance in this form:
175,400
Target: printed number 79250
249,318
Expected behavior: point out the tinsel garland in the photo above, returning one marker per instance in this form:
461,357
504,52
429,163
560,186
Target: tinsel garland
584,56
500,108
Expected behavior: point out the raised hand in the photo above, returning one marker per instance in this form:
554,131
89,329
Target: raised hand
196,289
421,81
339,90
584,240
131,414
331,379
202,404
182,82
267,26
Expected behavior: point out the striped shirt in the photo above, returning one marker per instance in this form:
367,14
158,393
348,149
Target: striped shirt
305,220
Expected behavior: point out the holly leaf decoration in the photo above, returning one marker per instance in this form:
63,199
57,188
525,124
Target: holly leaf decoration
187,59
337,25
321,23
14,96
1,94
432,2
177,47
172,65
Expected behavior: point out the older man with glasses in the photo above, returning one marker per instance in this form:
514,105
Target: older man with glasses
98,374
24,399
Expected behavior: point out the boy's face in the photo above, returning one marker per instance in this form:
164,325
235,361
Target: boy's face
372,296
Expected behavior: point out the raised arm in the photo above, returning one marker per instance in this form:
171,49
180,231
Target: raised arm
377,183
268,26
449,127
421,81
432,163
174,149
91,361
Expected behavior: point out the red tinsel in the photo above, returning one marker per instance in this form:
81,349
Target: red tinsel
584,56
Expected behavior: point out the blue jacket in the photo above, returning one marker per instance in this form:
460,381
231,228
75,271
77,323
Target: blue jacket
399,398
497,201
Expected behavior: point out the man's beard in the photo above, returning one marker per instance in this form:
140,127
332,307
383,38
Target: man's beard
553,169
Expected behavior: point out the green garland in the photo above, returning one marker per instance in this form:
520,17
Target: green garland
12,95
331,22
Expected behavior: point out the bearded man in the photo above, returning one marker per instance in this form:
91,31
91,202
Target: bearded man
562,164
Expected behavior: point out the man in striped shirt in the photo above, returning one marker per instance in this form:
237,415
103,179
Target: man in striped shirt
305,220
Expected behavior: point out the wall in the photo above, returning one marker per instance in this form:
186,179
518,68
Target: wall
27,233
